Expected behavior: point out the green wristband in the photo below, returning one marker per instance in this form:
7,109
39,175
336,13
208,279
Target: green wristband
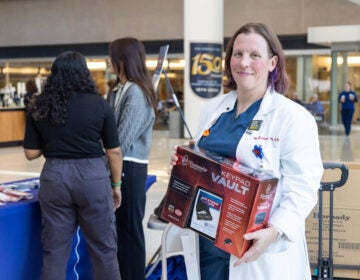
116,185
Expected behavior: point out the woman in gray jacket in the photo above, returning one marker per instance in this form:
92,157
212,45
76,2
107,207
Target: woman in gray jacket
134,103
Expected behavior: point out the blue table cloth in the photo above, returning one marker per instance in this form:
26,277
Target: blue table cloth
20,241
20,247
20,244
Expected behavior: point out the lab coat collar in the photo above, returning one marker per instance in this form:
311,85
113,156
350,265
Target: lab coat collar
227,103
268,103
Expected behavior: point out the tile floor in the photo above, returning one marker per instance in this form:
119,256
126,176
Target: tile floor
334,147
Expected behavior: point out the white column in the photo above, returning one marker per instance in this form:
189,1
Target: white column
203,48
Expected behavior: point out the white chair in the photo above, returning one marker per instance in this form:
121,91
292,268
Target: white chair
155,223
176,241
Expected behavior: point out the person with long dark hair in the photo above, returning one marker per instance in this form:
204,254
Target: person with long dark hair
70,124
134,104
259,127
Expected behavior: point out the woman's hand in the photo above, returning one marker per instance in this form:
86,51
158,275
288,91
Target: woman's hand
173,157
261,240
116,193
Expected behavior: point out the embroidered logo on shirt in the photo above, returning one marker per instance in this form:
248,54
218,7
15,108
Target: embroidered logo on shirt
258,151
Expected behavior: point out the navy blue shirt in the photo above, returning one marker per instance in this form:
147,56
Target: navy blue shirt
348,104
225,134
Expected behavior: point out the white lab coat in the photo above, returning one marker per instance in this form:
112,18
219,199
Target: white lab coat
289,139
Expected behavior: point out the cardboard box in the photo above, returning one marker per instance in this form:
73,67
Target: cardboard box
218,197
346,225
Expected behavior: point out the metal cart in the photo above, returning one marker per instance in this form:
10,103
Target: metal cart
325,265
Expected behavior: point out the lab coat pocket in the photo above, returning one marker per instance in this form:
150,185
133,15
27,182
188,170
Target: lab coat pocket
261,153
268,160
271,263
269,266
274,266
278,246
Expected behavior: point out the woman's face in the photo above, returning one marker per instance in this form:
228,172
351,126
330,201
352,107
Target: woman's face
250,63
110,66
112,70
347,87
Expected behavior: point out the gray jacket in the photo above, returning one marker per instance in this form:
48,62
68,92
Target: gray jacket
134,118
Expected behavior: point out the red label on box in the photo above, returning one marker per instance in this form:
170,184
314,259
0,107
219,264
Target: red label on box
218,197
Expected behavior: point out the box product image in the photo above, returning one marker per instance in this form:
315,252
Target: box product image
218,197
206,213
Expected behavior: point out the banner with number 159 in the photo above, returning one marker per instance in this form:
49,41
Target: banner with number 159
206,69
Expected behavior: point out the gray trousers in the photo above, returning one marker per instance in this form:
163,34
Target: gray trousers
77,192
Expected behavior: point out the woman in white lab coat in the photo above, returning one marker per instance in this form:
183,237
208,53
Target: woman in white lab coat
261,128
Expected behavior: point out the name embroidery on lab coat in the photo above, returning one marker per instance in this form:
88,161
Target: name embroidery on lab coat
273,139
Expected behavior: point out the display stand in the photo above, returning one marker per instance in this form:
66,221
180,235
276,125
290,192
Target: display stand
176,101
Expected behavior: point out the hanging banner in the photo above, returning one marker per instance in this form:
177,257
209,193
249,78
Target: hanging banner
206,69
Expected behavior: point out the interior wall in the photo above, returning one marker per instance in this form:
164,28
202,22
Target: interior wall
289,16
48,22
